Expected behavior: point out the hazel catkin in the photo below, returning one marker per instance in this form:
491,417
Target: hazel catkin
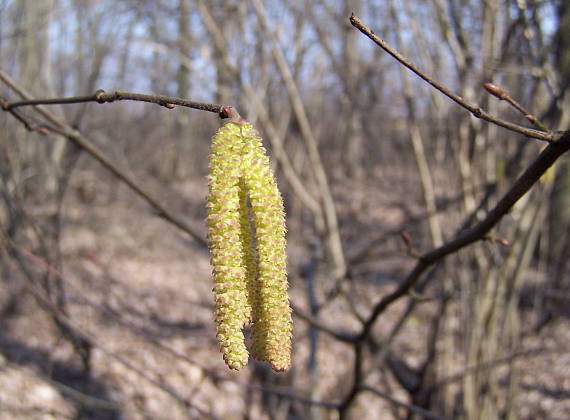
246,233
227,257
272,324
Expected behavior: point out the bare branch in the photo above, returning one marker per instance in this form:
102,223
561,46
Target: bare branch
85,144
502,95
102,97
559,146
475,110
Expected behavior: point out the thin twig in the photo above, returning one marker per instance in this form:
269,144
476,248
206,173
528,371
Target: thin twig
63,129
4,105
102,97
491,364
475,110
559,146
502,95
342,336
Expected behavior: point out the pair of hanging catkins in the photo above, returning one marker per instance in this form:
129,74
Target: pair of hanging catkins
246,234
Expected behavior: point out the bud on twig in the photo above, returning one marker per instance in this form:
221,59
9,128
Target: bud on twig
495,90
503,241
531,118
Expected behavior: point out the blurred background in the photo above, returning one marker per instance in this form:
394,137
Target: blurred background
106,309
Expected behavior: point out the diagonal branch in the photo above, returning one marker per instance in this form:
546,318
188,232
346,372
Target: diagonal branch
475,110
559,146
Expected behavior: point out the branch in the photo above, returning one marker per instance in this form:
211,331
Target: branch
101,97
64,130
492,364
560,145
475,110
343,336
27,124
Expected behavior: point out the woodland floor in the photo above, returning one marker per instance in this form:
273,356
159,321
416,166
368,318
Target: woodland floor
142,291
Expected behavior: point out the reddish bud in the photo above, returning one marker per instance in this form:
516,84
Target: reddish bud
531,118
406,238
169,106
42,130
495,90
230,112
503,241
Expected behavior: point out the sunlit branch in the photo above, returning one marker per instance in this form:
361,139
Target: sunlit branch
522,185
61,128
102,97
475,110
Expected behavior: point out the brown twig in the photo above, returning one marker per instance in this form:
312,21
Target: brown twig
64,130
559,146
340,335
475,110
492,364
4,105
102,97
502,95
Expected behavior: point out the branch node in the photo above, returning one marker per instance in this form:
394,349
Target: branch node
100,96
477,112
227,111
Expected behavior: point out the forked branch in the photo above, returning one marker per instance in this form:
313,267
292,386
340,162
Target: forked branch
475,110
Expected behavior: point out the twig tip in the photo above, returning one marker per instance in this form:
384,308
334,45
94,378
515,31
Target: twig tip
495,90
229,112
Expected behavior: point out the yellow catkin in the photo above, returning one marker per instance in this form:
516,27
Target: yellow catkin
248,245
272,323
224,238
246,232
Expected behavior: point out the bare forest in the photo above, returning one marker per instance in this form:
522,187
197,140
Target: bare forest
421,149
